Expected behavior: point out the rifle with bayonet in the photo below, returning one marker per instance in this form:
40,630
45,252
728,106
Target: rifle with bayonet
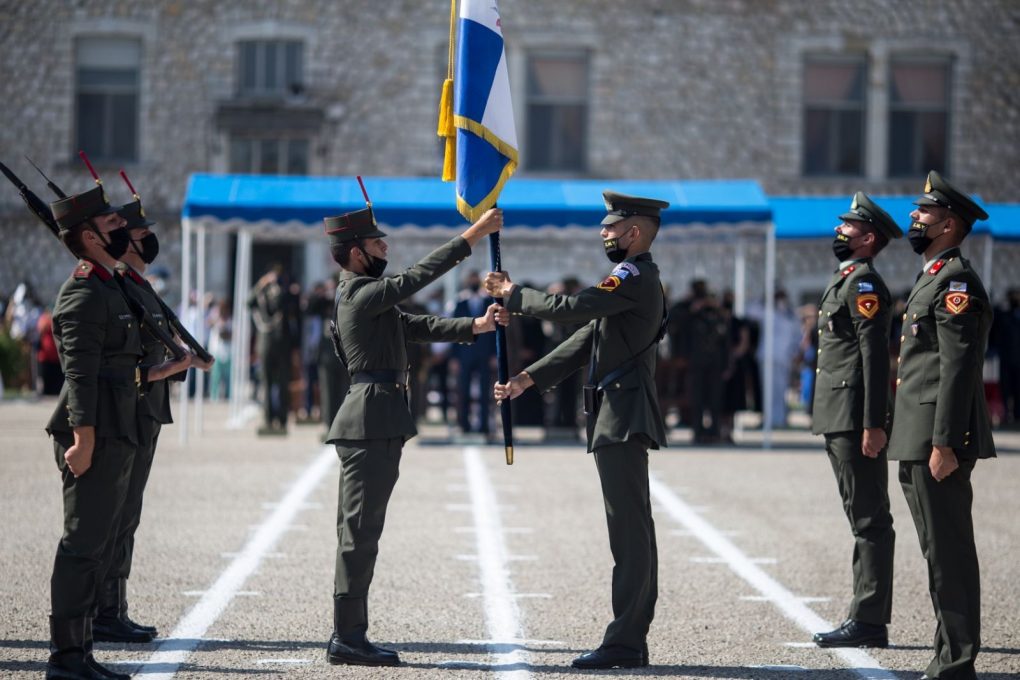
42,212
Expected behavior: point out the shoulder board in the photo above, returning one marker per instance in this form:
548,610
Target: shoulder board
935,268
86,268
849,270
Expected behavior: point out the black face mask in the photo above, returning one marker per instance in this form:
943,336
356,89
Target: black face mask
613,250
841,247
149,248
918,237
116,242
376,265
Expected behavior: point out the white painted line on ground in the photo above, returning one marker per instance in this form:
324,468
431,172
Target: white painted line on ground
239,593
285,661
502,618
525,643
790,605
187,635
541,596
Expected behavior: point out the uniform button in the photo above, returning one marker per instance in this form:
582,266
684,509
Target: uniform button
819,331
966,442
902,338
818,370
915,316
828,314
844,383
966,434
904,316
616,385
899,359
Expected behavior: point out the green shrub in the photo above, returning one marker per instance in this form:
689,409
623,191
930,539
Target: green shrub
12,358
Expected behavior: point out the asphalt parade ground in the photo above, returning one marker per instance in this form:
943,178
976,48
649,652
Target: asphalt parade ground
487,570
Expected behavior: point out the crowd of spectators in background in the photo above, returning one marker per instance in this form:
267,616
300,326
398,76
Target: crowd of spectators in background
711,363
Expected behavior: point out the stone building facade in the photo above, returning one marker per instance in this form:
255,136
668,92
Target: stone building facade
676,89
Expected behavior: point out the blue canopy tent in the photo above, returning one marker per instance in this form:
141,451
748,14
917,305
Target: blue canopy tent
268,207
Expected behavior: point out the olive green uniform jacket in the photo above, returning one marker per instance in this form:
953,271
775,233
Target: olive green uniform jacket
852,389
940,389
155,400
626,307
374,334
100,346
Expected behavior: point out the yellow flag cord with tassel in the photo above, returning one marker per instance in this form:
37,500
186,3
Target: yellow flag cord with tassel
446,127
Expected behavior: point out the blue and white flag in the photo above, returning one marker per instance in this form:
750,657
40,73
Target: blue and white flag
483,113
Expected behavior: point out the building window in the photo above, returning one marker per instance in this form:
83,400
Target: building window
270,67
834,114
918,116
106,97
557,111
269,156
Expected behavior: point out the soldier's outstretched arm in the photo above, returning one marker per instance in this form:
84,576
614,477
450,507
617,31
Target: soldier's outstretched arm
429,328
566,359
382,294
614,295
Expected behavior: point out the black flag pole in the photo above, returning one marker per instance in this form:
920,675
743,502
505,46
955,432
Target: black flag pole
502,367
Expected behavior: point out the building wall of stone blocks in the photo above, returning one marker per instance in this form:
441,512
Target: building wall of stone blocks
678,89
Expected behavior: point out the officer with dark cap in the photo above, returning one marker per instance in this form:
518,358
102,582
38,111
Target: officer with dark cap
852,409
624,319
94,427
112,623
374,420
274,312
941,426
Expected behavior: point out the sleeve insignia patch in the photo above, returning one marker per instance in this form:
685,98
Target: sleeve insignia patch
958,286
609,283
865,287
849,270
625,269
867,305
936,267
83,270
957,302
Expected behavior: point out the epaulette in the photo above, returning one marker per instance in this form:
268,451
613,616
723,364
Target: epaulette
87,268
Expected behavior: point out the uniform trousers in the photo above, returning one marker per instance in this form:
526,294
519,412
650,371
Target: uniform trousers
623,472
368,472
93,504
131,515
864,488
945,529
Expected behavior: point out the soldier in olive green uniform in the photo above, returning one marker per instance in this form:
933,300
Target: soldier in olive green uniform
374,419
112,623
941,426
852,409
94,427
624,318
273,317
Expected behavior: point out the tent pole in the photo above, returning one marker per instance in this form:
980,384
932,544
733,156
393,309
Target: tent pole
200,330
740,278
769,334
987,267
239,344
182,430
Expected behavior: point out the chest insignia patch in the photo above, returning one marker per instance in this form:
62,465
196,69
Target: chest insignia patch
865,287
867,305
610,283
958,286
936,267
957,302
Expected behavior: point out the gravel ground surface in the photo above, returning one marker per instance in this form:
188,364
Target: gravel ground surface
486,569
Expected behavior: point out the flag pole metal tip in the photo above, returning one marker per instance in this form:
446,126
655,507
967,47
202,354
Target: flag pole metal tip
509,455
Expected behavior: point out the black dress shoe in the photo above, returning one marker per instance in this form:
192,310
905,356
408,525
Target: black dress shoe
359,652
117,630
612,656
854,634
